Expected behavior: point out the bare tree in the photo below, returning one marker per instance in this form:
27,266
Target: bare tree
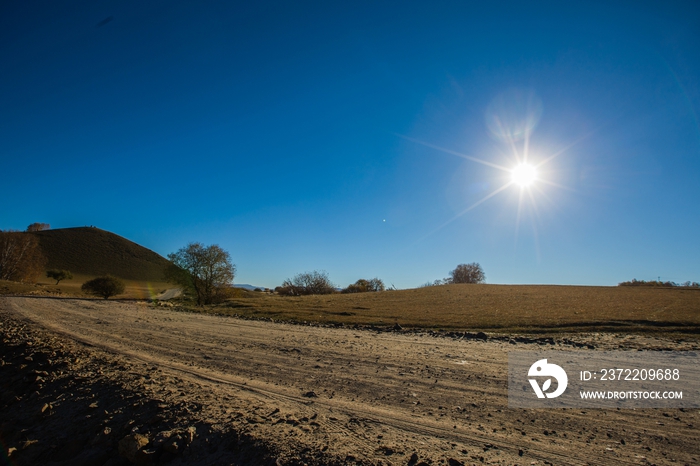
59,275
207,271
21,258
307,283
468,273
38,227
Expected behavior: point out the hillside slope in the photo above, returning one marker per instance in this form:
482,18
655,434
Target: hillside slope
94,252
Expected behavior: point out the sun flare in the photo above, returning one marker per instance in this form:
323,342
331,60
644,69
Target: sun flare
523,175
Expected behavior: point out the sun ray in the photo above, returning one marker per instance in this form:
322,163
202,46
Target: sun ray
458,154
526,147
535,232
524,174
486,198
543,194
505,186
557,154
517,217
511,144
556,185
534,204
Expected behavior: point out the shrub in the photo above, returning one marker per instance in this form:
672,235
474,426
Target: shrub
307,283
285,291
222,293
364,286
444,281
104,286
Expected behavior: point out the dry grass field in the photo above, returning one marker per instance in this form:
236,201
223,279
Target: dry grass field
526,308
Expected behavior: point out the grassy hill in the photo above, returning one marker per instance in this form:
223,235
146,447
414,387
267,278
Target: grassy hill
89,251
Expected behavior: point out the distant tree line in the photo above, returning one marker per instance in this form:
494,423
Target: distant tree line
317,282
659,283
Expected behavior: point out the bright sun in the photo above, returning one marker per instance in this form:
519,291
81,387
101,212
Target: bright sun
523,175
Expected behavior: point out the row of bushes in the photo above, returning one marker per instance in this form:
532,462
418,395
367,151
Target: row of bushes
316,282
659,283
105,287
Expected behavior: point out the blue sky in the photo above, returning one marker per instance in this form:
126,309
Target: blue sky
331,135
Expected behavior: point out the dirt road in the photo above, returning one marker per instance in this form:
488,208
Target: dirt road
339,395
169,294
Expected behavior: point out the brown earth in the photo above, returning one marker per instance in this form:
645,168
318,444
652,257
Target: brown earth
101,382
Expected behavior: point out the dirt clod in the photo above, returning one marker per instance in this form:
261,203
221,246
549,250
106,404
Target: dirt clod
130,445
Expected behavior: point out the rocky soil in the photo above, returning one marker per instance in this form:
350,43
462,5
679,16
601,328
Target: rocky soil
91,382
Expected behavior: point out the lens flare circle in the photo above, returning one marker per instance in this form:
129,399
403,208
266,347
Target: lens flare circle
523,175
513,114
